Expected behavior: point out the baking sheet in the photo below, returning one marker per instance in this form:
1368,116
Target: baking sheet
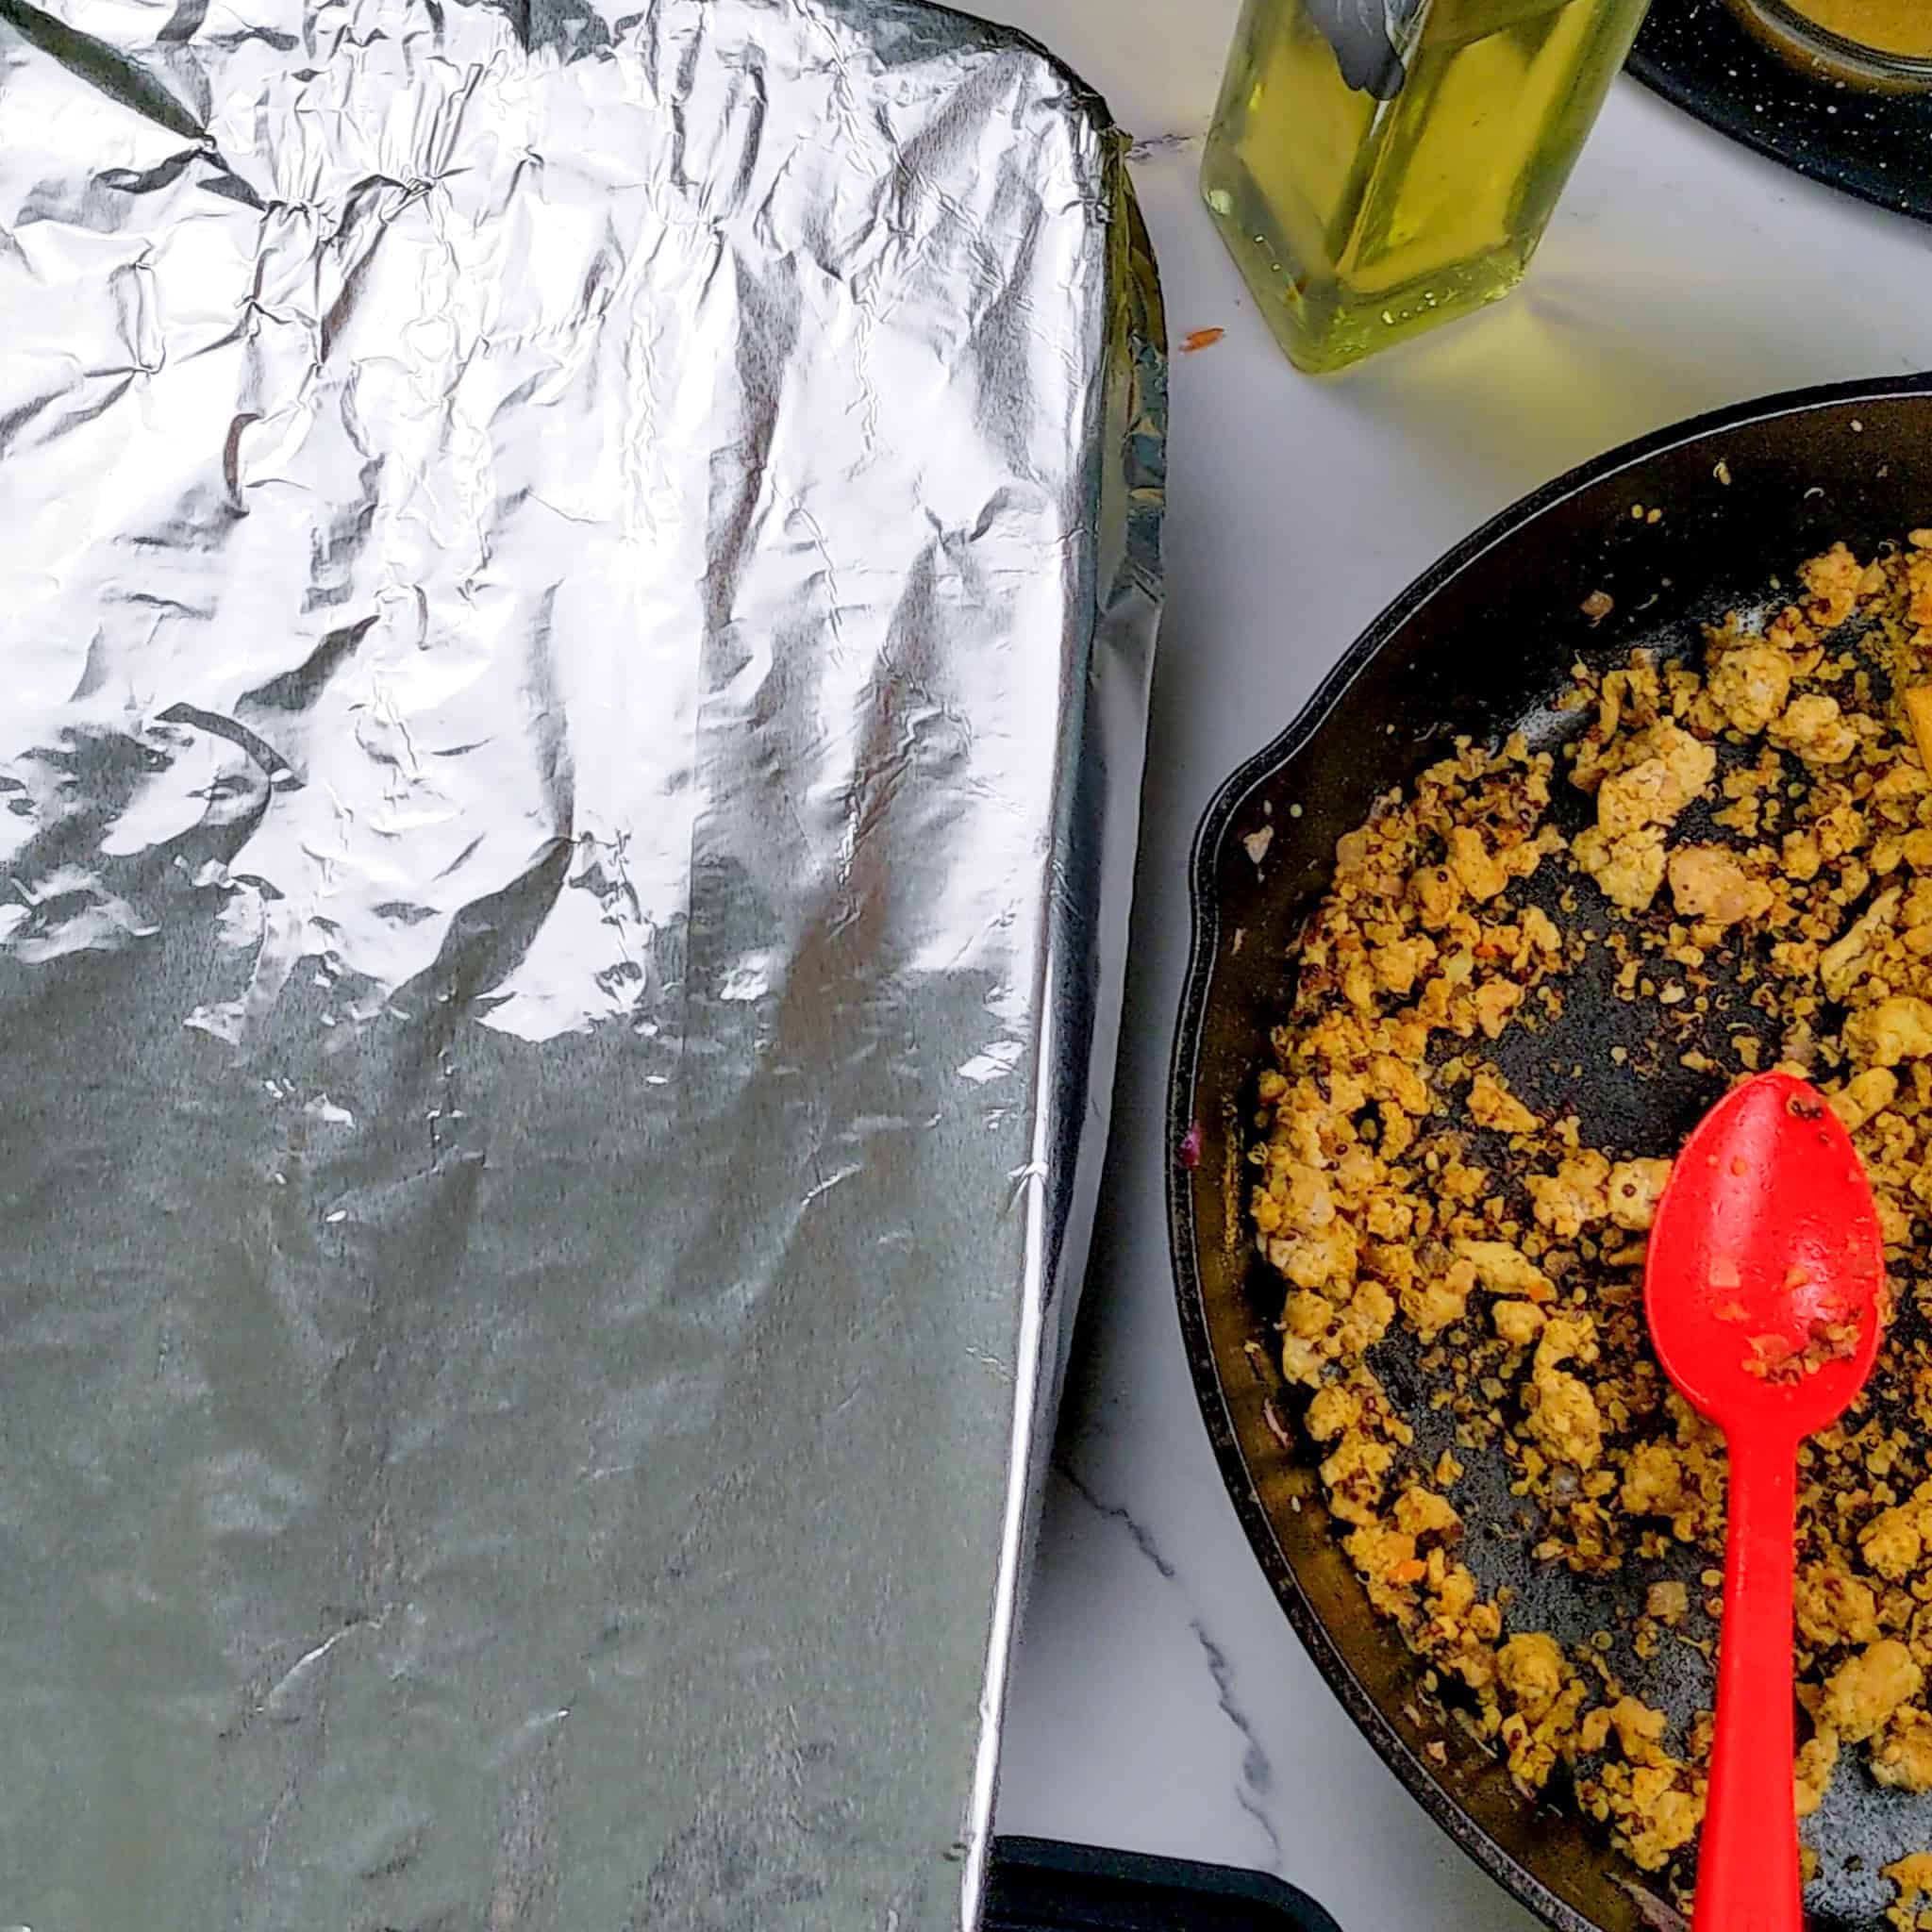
574,618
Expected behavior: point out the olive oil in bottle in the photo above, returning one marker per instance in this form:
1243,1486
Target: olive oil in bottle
1379,166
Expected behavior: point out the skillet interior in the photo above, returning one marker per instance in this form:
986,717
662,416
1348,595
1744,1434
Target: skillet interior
1481,645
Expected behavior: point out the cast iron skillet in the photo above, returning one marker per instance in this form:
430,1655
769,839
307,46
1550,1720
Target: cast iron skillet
1481,644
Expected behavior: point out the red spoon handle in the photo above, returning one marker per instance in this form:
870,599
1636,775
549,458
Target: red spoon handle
1747,1861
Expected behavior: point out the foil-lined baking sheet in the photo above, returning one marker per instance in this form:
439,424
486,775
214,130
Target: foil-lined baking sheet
575,599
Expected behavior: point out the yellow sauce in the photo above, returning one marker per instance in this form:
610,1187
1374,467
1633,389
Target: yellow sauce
1892,26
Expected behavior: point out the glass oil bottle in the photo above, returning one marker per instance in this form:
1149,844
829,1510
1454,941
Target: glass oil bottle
1380,166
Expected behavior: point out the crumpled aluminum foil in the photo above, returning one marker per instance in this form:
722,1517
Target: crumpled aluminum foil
576,599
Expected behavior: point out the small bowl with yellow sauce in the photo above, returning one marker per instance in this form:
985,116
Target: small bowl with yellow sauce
1881,46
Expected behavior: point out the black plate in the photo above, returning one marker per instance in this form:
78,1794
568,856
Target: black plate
1040,1885
1480,644
1876,146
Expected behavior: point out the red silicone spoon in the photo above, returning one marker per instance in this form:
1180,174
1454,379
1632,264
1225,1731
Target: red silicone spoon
1765,1290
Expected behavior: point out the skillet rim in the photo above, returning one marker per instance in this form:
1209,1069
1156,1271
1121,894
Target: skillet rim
1205,932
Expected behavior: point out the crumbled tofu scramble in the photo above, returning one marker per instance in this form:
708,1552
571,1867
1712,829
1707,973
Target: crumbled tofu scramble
1759,821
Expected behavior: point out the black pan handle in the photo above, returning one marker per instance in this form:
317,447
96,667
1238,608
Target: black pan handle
1039,1884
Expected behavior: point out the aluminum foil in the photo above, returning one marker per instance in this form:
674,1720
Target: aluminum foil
575,599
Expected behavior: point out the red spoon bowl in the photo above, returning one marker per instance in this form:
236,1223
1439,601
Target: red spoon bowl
1765,1292
1765,1281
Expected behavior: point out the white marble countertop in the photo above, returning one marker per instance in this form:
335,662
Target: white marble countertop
1161,1702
